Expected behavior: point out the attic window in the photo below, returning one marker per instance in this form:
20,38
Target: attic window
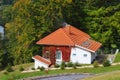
86,44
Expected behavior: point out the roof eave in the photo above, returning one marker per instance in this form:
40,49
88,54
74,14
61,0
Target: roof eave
55,45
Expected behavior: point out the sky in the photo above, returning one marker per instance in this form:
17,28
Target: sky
1,29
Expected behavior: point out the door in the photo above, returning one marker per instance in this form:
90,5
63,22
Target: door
58,56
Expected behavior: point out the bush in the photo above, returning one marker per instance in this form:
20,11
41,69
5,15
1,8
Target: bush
74,66
9,69
5,73
96,64
33,68
21,69
57,65
38,67
70,64
106,63
42,68
62,66
77,64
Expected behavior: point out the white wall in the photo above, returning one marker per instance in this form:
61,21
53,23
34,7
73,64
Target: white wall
81,56
39,64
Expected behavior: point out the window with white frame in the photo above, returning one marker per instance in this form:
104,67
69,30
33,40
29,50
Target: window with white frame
58,54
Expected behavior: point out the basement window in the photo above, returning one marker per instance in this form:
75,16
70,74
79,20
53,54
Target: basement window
85,55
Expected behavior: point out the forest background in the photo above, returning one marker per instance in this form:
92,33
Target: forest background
27,21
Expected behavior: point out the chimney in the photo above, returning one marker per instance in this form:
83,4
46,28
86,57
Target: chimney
64,24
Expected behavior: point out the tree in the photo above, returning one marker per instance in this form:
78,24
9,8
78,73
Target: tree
103,25
37,19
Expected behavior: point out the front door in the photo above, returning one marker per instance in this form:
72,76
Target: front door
58,56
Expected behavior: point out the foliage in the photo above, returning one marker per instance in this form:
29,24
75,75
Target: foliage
57,65
96,64
63,65
117,58
9,69
74,66
21,69
77,64
69,64
33,68
103,25
5,72
19,75
106,63
27,21
42,68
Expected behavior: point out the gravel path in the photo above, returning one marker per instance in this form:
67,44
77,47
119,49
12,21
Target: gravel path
65,77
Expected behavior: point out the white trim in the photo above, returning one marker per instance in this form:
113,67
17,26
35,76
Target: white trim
85,48
40,61
60,56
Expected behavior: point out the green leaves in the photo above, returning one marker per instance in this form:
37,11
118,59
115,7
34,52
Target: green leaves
27,21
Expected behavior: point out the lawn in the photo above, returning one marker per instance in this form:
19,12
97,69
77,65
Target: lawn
117,59
18,75
106,76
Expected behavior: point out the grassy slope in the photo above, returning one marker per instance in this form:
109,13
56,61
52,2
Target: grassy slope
16,71
106,76
117,59
17,75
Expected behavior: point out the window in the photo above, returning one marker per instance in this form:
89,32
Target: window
58,54
85,55
74,54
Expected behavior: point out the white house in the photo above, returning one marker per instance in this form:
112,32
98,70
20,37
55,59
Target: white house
40,62
69,44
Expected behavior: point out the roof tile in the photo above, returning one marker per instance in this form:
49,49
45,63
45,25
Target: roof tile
70,36
41,59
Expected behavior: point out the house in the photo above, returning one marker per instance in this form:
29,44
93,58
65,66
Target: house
41,62
69,44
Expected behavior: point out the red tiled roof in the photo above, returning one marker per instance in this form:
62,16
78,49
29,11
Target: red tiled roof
41,59
70,36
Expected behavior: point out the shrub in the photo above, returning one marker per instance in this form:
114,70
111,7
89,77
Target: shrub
42,68
106,63
21,69
57,65
74,66
62,66
33,68
77,64
5,73
9,69
96,64
70,64
46,71
38,67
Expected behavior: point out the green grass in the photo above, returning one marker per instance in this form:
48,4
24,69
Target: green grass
117,59
18,75
106,76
